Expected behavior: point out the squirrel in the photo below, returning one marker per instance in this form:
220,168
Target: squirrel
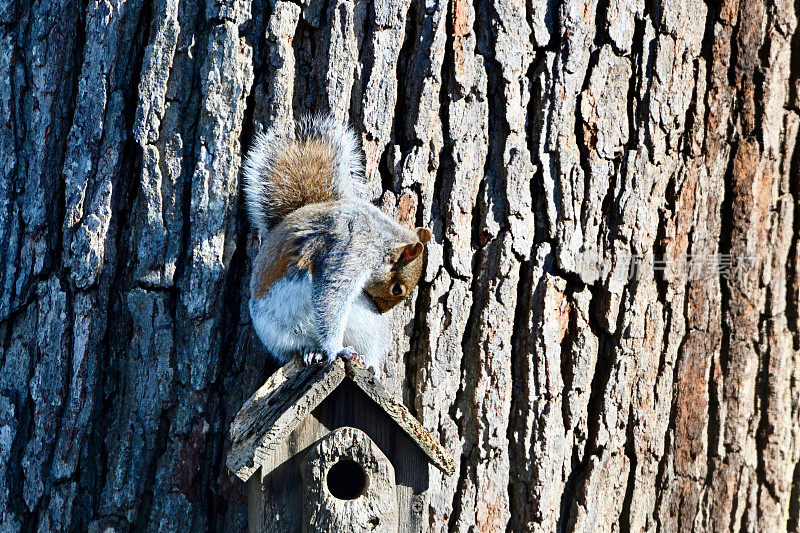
330,264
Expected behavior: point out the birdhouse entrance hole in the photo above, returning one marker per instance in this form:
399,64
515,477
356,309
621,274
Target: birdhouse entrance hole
348,485
347,480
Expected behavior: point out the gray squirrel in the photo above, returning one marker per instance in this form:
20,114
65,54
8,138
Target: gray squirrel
330,264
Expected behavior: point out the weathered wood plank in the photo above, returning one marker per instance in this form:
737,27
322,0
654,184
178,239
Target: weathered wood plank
289,396
368,383
276,409
373,509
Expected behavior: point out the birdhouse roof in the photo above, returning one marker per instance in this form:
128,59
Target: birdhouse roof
289,396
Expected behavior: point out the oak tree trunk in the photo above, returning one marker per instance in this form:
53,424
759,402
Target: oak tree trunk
607,333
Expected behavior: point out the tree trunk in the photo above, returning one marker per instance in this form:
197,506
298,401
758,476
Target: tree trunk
607,332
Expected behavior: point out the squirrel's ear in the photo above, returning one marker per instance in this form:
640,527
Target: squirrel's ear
424,235
409,252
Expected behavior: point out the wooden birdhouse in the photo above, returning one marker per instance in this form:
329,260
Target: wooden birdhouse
326,448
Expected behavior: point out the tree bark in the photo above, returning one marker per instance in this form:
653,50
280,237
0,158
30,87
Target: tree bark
549,146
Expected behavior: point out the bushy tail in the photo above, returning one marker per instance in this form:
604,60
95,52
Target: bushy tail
284,170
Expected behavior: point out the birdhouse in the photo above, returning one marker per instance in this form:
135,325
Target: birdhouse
326,448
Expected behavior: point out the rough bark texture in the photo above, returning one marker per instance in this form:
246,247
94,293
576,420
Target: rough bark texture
529,136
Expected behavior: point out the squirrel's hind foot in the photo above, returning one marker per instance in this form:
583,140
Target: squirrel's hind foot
349,354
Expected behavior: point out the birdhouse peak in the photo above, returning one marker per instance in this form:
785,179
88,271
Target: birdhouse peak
291,394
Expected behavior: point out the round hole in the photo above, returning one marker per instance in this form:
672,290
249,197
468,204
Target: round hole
346,480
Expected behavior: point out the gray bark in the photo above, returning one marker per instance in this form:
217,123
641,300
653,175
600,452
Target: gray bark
529,136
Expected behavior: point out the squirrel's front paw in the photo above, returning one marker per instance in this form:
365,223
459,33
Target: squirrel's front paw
311,357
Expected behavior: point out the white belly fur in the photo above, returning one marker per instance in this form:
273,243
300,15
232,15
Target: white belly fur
367,331
284,321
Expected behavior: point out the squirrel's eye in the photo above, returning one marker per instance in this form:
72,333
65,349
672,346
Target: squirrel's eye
397,289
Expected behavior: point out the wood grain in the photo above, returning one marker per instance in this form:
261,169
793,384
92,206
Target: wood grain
373,510
289,396
276,410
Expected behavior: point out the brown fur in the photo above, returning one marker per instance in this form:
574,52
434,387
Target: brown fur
406,275
406,271
303,174
279,253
